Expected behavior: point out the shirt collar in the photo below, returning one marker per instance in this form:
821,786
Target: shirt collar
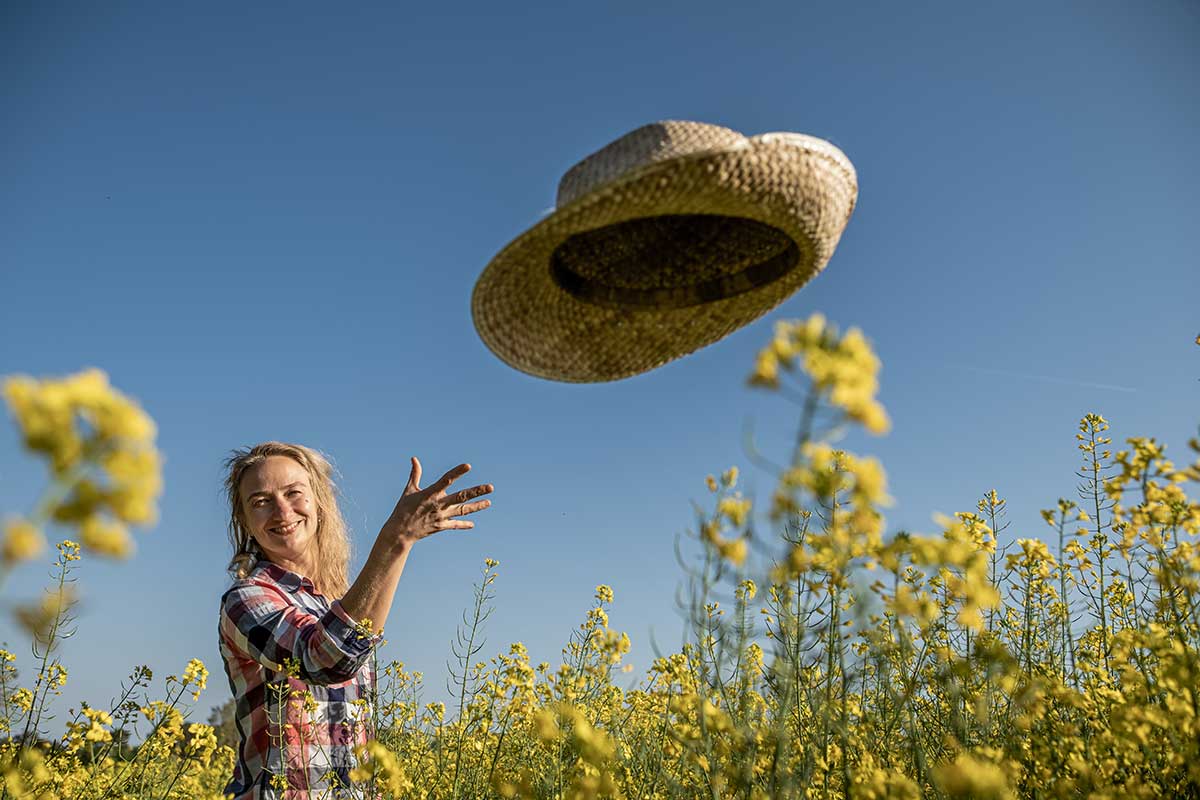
287,579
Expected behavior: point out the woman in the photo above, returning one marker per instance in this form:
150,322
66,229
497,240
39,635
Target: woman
295,637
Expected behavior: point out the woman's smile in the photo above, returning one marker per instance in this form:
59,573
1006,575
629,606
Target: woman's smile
286,529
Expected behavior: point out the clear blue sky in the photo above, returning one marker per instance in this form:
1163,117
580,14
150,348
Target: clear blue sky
265,222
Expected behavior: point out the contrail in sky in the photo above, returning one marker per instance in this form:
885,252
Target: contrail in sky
1046,378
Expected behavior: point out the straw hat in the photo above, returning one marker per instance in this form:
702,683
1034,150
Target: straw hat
661,242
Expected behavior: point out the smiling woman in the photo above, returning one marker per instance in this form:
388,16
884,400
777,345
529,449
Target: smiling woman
282,494
296,639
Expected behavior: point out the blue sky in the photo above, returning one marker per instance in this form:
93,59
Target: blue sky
265,222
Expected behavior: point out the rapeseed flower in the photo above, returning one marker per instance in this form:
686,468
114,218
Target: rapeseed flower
106,537
103,463
22,541
972,778
843,370
379,765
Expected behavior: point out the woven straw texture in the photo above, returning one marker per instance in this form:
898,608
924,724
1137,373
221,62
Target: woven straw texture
664,241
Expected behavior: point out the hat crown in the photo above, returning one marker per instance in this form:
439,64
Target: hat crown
649,144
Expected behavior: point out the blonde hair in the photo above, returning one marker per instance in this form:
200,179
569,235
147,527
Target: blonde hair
332,539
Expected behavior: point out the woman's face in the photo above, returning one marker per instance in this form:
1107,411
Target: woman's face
280,511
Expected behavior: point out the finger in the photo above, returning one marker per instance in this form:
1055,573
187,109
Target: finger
457,525
414,477
468,508
469,494
449,478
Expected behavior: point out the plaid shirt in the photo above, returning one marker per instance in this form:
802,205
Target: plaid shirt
303,680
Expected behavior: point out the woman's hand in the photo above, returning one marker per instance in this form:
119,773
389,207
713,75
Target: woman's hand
423,512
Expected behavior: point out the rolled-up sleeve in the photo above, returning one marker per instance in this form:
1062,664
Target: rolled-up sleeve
260,623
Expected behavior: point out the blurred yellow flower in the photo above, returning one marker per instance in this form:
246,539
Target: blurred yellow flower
733,550
735,509
766,370
545,725
729,477
843,369
107,538
106,471
22,541
379,764
971,778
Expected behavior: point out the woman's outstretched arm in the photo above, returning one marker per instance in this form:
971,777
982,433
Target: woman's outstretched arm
418,513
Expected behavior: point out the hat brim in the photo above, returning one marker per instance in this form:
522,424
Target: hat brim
802,187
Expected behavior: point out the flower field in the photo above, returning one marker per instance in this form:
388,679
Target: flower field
827,658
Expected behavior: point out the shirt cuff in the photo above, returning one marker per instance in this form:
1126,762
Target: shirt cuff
352,634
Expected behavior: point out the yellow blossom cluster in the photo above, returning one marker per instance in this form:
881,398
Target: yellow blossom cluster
844,369
379,766
106,473
96,757
732,516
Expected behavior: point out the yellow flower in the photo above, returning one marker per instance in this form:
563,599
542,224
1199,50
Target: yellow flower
379,763
57,678
733,550
22,541
915,605
136,475
98,719
729,477
844,370
110,539
90,432
436,711
735,509
133,505
195,674
873,417
971,777
23,699
68,550
870,481
545,726
91,730
969,617
85,499
766,370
